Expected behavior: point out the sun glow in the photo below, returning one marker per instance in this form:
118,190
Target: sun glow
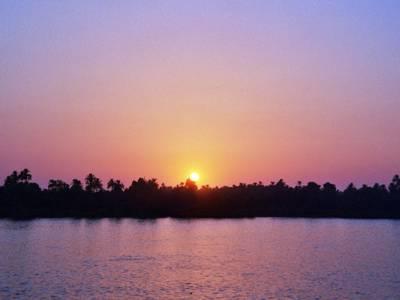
194,176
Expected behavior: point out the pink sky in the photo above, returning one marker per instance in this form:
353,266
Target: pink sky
238,91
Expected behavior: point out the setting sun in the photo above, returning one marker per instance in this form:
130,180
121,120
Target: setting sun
194,176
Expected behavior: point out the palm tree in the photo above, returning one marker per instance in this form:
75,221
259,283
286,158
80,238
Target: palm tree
115,185
93,184
144,185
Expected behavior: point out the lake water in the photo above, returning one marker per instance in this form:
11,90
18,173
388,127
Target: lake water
266,258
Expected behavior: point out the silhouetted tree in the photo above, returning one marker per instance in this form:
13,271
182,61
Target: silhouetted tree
190,185
115,185
394,186
12,179
312,187
15,178
329,188
76,186
93,184
57,186
281,184
21,198
299,185
25,176
143,185
350,189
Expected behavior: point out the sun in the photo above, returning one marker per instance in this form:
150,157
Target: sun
194,176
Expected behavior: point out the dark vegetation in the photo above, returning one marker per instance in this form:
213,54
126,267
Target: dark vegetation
22,198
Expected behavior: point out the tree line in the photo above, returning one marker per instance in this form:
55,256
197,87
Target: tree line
20,197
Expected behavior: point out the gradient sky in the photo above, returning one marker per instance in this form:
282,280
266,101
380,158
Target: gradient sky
240,91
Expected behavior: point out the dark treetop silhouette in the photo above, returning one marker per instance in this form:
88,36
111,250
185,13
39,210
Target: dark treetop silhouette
21,198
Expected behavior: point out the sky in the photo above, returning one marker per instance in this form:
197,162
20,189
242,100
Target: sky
239,91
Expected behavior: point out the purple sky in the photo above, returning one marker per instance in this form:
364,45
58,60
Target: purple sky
239,91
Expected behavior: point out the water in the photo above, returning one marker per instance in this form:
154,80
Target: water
268,258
